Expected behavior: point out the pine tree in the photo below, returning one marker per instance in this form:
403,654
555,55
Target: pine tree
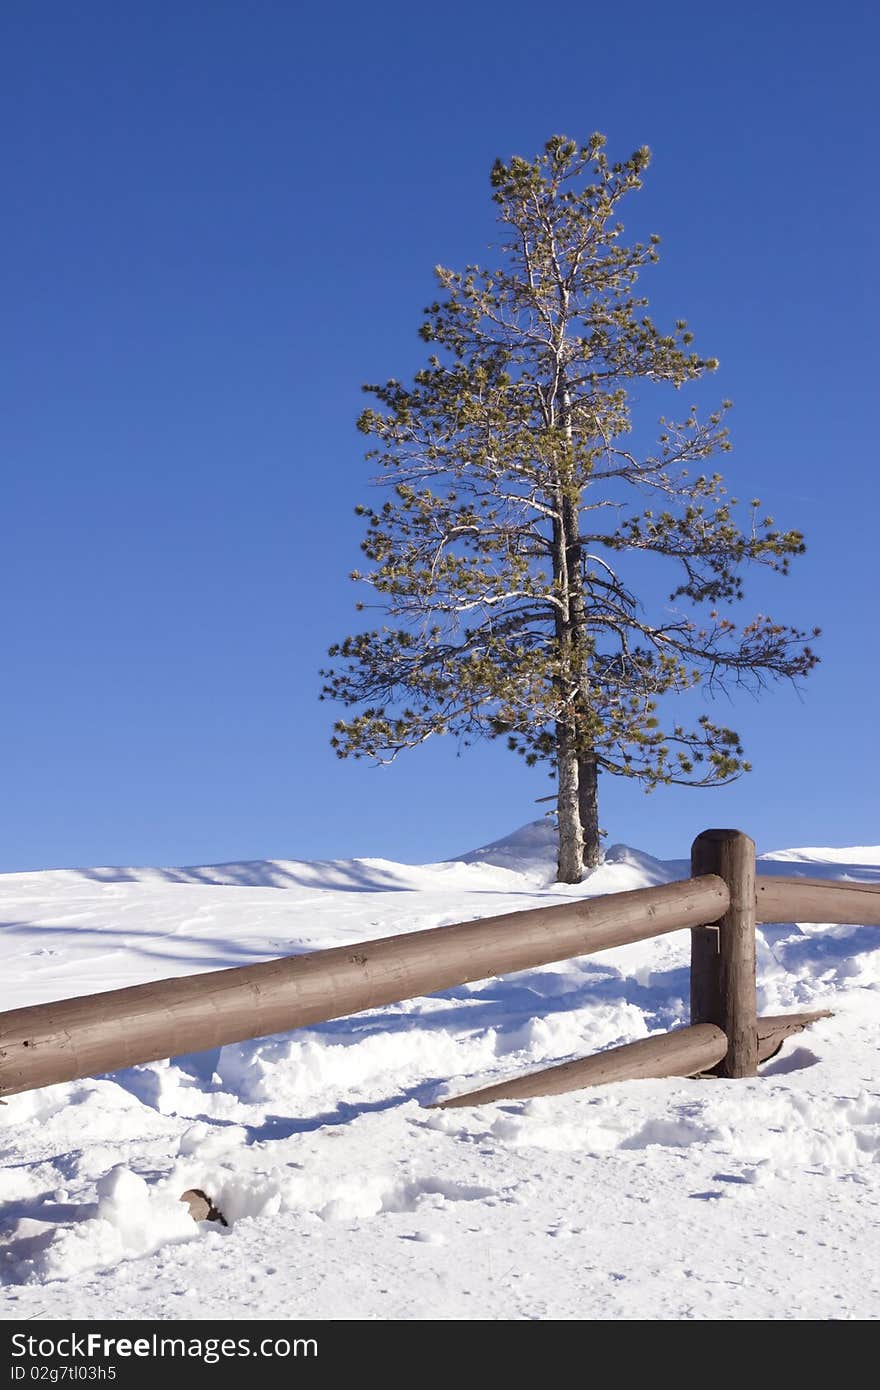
516,503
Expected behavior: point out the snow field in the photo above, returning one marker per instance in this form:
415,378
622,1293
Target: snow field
347,1197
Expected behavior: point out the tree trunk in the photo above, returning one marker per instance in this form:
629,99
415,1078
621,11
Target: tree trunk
588,806
570,863
570,640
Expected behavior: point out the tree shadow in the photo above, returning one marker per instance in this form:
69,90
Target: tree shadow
351,876
216,952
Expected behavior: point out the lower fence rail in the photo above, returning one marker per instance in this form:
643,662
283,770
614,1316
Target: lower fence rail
691,1051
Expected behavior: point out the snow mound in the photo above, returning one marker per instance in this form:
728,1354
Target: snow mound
127,1221
530,849
859,864
855,854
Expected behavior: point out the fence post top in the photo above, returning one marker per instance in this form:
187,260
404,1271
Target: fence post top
718,836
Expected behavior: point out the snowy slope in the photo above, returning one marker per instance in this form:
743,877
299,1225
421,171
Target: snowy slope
346,1197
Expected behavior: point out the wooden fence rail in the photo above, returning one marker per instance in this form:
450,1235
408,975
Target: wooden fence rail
88,1036
786,899
97,1033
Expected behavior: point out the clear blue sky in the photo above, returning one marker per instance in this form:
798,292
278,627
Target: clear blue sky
218,220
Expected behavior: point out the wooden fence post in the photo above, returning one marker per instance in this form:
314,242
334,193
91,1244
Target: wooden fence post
723,989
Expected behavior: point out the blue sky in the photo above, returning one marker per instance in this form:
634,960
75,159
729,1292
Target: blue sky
219,220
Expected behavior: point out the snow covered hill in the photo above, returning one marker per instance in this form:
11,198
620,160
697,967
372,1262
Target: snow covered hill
347,1198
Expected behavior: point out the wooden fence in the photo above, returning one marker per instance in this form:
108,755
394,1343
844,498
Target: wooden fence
720,903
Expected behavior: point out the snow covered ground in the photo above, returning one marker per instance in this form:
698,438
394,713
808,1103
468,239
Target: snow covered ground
347,1198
